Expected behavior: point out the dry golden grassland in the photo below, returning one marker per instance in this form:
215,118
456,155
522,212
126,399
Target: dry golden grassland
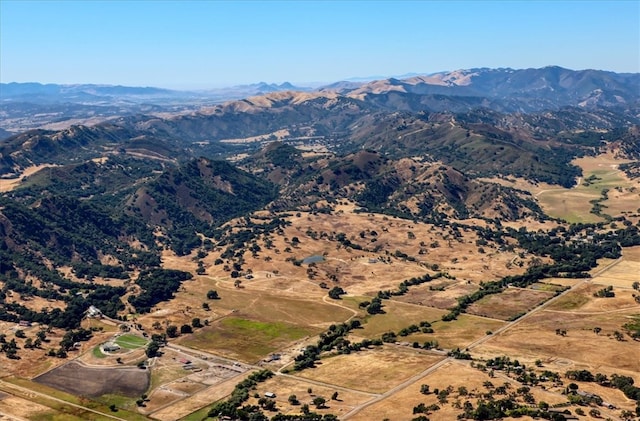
375,371
573,205
456,375
429,294
22,408
508,304
200,399
282,307
536,336
285,386
397,315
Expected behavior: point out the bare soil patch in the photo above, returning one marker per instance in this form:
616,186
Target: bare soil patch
80,380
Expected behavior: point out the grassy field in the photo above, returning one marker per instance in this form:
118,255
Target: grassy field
397,316
97,352
246,339
129,341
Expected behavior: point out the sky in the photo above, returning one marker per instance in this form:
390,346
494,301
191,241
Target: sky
201,44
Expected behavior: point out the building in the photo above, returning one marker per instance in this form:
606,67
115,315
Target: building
94,311
270,395
110,347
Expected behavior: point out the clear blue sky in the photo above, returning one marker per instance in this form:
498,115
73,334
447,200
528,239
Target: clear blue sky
185,44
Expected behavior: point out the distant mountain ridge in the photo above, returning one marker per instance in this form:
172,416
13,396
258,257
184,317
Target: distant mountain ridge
513,90
52,92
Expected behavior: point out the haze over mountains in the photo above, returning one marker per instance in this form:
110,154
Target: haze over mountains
33,105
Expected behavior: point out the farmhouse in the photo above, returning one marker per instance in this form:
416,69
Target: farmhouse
94,311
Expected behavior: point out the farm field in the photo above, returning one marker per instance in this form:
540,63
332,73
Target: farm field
465,384
382,368
245,339
80,380
285,386
509,304
429,294
397,315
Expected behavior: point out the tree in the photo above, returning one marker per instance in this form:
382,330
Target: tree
152,349
627,415
319,402
424,389
20,334
212,294
293,400
184,329
172,331
636,285
269,405
205,307
597,330
334,397
196,322
336,292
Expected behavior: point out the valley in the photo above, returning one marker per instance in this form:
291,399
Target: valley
380,251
